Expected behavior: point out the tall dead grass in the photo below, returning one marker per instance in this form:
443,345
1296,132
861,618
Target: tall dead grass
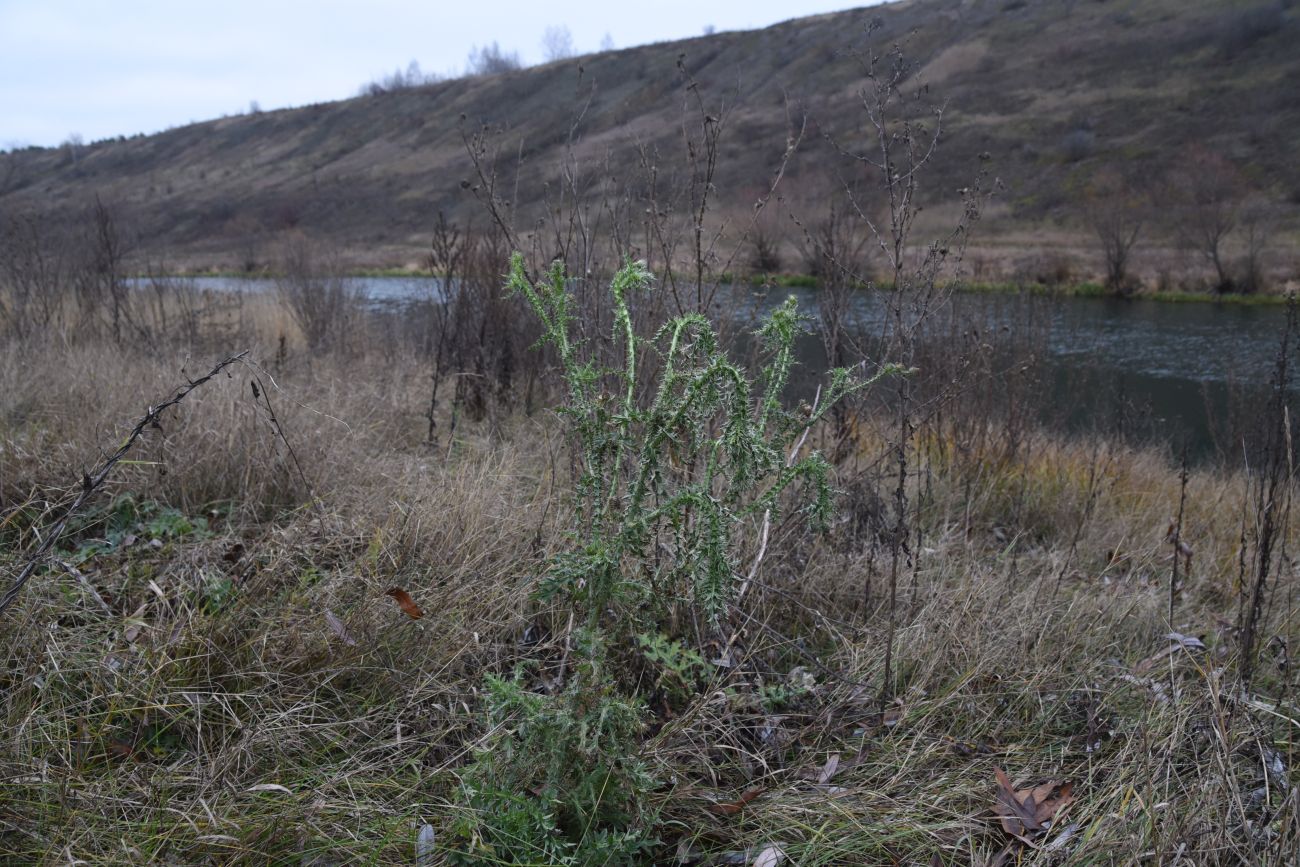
249,694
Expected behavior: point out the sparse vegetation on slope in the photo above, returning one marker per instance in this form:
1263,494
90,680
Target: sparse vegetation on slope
1052,93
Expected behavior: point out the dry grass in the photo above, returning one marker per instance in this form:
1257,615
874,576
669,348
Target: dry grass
212,714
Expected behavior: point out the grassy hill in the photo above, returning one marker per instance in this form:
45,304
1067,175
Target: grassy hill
1048,90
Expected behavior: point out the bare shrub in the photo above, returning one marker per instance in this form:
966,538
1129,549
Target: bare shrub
1258,222
1209,191
557,44
1115,209
173,312
322,300
1271,480
76,284
1053,269
492,60
400,79
766,255
832,248
666,211
477,337
100,277
1078,144
903,131
1056,269
34,274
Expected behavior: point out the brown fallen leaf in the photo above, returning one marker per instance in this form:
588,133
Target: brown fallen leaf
1017,818
1025,813
835,764
734,807
405,602
858,758
116,748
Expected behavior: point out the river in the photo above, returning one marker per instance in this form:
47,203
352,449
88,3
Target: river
1162,372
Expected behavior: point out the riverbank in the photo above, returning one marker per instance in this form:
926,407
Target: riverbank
1066,290
808,281
1097,290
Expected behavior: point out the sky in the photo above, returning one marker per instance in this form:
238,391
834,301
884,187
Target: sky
102,68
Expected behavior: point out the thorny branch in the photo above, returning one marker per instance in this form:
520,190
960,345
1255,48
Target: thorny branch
91,482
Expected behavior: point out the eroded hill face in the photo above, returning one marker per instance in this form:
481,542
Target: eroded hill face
1048,92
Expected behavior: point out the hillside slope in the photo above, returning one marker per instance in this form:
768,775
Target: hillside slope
1049,90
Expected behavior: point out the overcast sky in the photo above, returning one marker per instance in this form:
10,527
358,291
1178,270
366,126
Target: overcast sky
101,68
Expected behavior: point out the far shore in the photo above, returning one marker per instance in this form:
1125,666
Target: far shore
1086,289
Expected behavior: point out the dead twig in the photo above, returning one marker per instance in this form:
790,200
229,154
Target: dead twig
91,482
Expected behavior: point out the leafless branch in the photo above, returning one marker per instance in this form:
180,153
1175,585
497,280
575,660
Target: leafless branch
91,482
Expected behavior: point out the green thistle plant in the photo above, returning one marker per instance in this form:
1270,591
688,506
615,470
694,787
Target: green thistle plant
677,461
675,464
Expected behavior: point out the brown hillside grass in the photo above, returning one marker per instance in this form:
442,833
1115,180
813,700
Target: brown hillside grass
1137,79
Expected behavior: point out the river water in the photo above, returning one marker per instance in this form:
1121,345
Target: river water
1168,373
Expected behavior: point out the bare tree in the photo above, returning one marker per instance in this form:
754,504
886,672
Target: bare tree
74,144
492,60
400,79
557,44
1209,190
33,272
1116,213
766,255
102,279
8,169
832,248
1257,225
